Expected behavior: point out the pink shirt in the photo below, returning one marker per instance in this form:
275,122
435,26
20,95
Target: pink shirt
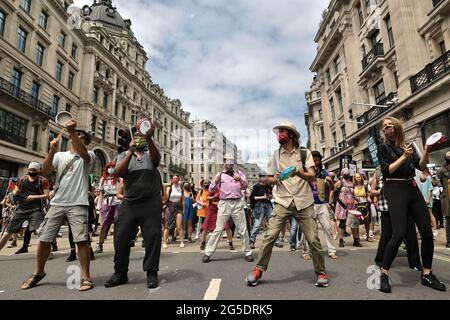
228,187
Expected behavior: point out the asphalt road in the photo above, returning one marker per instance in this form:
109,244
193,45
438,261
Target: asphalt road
184,277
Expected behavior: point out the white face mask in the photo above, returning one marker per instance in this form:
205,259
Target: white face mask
110,171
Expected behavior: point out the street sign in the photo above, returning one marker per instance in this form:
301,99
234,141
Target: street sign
373,150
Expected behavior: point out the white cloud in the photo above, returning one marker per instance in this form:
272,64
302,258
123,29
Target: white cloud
239,63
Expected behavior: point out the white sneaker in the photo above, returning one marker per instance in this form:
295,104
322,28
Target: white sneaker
196,238
165,246
371,234
182,245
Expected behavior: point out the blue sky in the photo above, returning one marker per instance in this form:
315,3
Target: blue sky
242,64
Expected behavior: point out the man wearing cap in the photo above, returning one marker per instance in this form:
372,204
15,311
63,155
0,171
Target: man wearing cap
322,186
230,183
30,191
70,202
293,198
261,205
444,178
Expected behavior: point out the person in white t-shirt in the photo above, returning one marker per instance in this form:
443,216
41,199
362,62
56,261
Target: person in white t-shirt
70,202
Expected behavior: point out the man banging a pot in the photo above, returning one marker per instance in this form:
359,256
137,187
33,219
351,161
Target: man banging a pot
141,207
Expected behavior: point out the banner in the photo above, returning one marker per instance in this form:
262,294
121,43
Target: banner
373,150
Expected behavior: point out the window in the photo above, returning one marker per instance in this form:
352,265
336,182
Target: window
369,5
43,19
74,51
71,80
39,59
95,95
21,40
360,14
94,124
66,6
124,112
318,94
2,23
62,39
16,78
337,65
116,109
333,113
35,91
441,46
97,66
320,114
64,144
380,95
26,5
322,134
58,74
389,30
55,104
51,135
339,98
105,101
35,138
334,138
376,38
68,107
13,128
344,134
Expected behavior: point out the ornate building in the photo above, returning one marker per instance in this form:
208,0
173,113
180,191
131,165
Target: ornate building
374,59
96,70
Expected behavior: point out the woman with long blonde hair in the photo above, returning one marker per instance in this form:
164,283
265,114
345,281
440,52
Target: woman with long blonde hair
398,163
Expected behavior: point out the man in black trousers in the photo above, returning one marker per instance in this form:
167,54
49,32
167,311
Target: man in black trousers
141,206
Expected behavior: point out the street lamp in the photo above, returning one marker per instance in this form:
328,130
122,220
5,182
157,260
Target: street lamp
388,104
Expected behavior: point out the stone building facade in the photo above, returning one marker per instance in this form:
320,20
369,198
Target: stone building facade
96,70
378,58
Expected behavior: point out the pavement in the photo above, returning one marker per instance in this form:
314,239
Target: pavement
183,276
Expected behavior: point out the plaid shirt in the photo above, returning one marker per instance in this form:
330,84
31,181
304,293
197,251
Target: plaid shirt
382,201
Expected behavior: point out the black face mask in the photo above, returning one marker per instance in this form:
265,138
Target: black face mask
32,174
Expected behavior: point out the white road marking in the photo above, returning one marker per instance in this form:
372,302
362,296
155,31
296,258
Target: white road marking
213,290
1,291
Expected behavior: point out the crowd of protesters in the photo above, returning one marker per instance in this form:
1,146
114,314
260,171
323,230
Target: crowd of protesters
130,199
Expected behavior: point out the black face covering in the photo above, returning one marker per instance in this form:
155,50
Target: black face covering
32,174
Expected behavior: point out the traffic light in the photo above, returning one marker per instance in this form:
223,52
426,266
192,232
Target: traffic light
124,139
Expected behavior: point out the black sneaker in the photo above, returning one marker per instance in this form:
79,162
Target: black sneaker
202,246
152,279
54,247
22,250
356,243
72,256
385,285
206,259
431,281
341,243
116,280
252,245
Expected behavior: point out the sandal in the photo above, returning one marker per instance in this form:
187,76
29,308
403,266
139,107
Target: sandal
86,285
32,281
333,256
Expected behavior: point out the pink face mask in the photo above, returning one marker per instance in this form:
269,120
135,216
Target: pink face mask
390,132
283,137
